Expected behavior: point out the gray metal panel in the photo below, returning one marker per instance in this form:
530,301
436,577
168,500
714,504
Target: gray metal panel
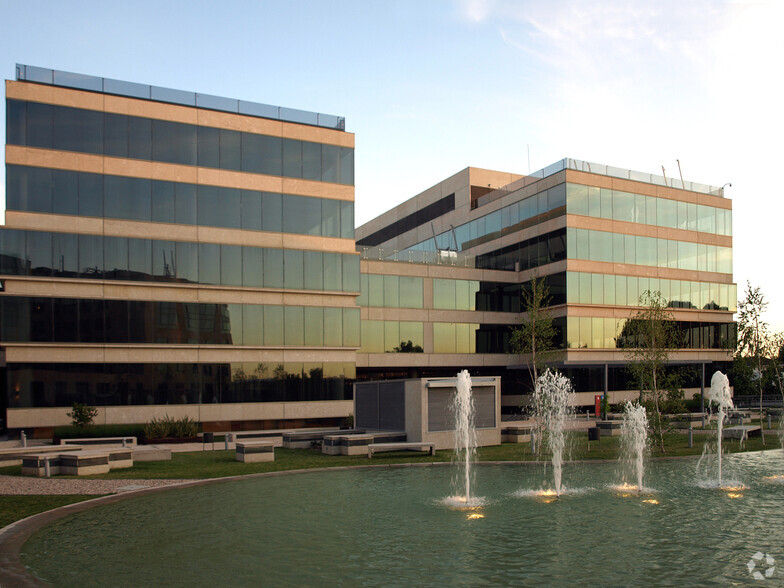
439,409
392,406
366,405
484,407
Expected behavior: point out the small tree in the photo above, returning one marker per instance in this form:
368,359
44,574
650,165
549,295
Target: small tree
753,336
649,336
534,338
82,415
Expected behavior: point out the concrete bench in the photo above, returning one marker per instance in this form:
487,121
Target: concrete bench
14,455
306,439
516,434
610,427
124,441
357,444
76,463
254,451
151,453
376,447
741,432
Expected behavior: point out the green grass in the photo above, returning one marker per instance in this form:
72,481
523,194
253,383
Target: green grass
15,508
219,464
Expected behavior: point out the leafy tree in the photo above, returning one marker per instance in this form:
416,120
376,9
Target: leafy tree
82,415
535,336
649,336
753,335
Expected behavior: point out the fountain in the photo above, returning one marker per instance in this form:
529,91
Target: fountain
465,435
553,397
719,394
634,444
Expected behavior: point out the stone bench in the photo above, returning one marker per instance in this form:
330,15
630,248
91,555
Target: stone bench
254,451
376,447
516,434
611,427
357,444
741,432
14,455
124,441
76,463
306,439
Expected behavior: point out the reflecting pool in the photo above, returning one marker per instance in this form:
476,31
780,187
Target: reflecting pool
392,526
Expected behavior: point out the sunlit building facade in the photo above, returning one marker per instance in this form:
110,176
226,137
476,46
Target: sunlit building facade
172,253
444,271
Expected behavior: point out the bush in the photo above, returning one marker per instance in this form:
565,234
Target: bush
169,427
75,432
82,415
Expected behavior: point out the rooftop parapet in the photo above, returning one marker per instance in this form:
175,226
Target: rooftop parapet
53,77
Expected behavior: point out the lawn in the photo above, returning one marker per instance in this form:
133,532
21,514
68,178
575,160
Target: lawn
219,464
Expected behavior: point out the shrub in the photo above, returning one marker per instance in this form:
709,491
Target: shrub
82,415
169,427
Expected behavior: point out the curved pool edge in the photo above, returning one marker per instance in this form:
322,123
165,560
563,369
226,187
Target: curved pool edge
14,536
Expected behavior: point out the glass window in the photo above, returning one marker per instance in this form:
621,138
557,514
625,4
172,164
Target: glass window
632,291
391,292
350,273
185,203
230,150
115,135
90,256
597,333
314,270
16,122
346,166
65,192
609,289
650,210
444,335
330,218
411,292
372,337
623,206
90,194
314,326
572,287
639,208
647,249
293,269
253,324
65,251
271,212
606,203
594,202
231,265
311,160
174,142
163,201
273,325
333,271
252,153
391,335
414,332
621,294
351,327
444,294
139,138
667,212
139,259
597,288
209,263
251,210
186,262
39,125
376,291
292,158
252,267
333,327
600,246
586,285
576,199
347,220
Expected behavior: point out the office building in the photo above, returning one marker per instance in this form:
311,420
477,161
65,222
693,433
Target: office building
172,253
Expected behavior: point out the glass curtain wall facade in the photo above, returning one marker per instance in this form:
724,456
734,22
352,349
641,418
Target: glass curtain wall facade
165,248
600,238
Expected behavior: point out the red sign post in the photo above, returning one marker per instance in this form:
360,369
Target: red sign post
598,400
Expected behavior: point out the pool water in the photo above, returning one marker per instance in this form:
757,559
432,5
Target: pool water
392,527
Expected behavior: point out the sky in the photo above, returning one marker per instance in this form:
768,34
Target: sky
431,87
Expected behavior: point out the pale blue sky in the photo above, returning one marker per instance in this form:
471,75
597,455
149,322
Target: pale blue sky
430,87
